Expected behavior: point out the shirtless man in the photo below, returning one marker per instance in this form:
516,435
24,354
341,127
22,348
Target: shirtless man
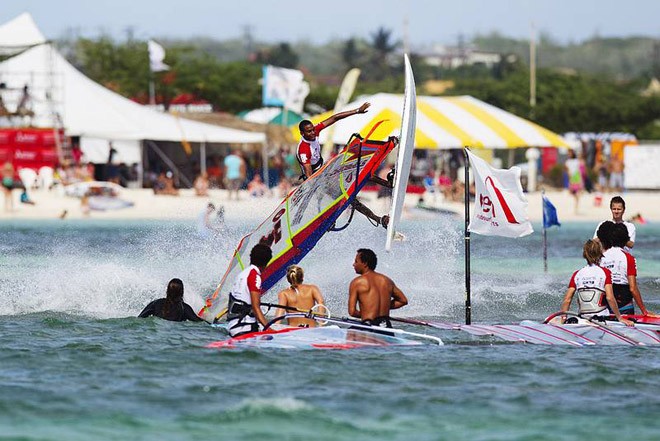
375,293
300,296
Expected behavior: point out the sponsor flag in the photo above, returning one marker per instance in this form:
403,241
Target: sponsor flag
284,88
500,207
156,57
549,214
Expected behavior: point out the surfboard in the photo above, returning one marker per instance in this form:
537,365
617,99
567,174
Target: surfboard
404,155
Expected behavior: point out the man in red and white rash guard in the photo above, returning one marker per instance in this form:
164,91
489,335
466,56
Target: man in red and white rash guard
623,266
309,148
244,312
593,285
310,159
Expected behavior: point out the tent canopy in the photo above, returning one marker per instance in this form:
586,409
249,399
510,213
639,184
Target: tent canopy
89,109
19,33
443,123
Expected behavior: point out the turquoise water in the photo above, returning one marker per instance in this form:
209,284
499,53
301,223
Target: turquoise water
76,365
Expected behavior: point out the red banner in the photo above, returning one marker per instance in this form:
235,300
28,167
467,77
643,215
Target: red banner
28,147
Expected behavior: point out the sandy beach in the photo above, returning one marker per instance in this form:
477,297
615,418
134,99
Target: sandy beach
146,205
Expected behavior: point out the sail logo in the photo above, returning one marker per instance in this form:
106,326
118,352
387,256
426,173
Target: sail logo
275,235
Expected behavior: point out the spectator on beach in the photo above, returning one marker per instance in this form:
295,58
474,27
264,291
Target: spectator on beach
25,199
201,185
574,169
618,208
256,187
24,104
445,185
172,307
215,172
8,185
616,174
164,185
235,171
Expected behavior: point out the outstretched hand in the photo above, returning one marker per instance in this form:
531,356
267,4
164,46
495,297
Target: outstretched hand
363,108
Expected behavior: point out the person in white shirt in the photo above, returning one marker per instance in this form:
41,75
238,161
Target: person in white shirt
618,208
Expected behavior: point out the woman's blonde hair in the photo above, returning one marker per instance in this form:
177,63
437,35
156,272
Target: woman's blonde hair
295,275
592,251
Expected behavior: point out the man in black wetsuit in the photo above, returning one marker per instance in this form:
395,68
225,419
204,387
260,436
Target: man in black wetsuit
375,294
172,307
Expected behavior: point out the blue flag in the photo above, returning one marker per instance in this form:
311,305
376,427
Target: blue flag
549,214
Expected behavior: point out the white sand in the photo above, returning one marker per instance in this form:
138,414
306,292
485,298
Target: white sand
51,204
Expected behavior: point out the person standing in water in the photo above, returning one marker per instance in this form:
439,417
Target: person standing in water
172,307
300,296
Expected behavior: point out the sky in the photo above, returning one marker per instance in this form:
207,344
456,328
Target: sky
274,21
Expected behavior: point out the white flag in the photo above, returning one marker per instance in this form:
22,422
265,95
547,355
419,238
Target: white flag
156,57
500,207
284,87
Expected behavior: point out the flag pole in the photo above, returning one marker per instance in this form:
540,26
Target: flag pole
468,305
545,235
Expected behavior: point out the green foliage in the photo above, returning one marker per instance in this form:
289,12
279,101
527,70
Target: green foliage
567,100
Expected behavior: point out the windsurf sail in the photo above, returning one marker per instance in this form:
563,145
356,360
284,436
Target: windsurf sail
404,155
302,218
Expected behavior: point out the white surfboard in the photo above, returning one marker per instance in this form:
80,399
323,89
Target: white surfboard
405,153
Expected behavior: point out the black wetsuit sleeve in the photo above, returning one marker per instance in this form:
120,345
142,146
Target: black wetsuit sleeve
189,314
148,310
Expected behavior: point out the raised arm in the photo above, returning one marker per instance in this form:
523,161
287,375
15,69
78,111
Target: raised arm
341,115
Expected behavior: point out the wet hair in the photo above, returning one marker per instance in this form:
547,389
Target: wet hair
592,251
303,123
368,257
174,296
604,234
620,236
294,275
260,255
618,200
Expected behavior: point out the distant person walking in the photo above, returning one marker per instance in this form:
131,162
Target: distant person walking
235,172
616,174
8,185
574,168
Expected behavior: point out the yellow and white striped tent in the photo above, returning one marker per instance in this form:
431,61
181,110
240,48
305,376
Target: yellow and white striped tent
443,123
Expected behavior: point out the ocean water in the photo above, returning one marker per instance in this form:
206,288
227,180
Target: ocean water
75,363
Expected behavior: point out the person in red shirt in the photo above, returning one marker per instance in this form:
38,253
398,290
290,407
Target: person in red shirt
309,156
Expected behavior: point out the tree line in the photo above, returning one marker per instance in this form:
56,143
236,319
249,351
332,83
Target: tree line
228,74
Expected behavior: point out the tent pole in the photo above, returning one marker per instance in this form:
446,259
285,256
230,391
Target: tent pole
141,166
264,163
202,157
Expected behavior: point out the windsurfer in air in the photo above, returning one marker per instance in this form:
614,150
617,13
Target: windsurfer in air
299,297
593,286
310,159
243,312
372,295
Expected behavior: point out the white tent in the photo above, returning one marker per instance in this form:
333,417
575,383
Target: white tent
19,33
89,109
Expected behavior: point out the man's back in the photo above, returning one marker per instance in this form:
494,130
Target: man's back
374,295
